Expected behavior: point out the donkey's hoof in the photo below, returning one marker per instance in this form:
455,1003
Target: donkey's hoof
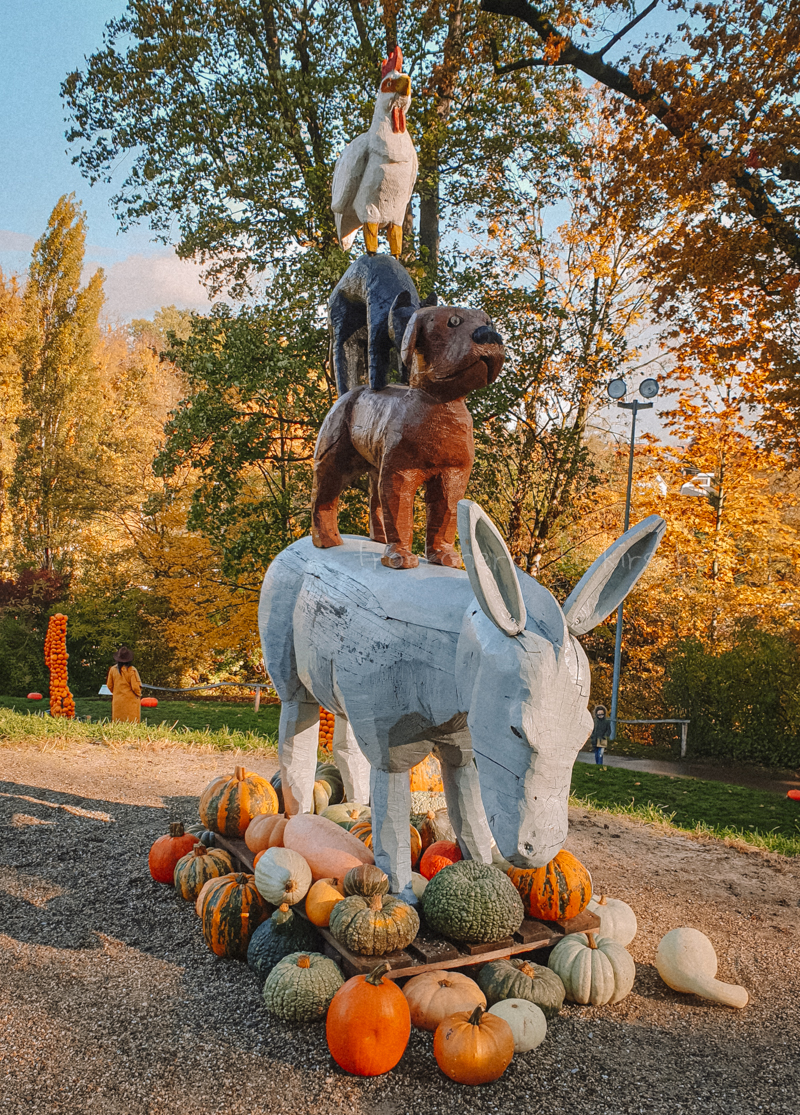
324,539
397,557
449,558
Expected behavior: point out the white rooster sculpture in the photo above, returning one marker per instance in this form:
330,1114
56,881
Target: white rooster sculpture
375,174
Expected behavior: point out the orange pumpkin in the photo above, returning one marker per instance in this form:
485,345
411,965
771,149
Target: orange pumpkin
473,1048
149,702
228,805
427,775
34,696
167,850
265,831
438,855
558,891
363,830
368,1024
434,996
320,900
232,912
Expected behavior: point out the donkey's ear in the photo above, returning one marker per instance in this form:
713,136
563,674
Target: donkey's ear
431,300
490,569
607,581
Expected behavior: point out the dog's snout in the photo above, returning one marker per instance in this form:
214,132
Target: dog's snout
483,335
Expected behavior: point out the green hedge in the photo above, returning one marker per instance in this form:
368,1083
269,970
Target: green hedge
743,703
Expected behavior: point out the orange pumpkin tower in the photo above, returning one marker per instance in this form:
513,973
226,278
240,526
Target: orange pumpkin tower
55,658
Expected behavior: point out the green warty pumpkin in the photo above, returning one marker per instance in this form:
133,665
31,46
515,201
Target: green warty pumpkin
282,934
374,926
301,985
472,902
522,979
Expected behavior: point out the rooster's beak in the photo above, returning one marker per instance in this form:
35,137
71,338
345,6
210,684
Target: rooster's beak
399,84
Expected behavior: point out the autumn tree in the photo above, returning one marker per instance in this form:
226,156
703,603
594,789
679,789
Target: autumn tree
11,331
58,426
234,113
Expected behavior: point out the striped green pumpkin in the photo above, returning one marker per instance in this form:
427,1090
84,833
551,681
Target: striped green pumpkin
197,867
228,805
232,911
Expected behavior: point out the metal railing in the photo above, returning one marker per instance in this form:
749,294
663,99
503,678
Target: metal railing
257,685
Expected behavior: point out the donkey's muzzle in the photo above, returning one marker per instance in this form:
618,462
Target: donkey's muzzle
483,335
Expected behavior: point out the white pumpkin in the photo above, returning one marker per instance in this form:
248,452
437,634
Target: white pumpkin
594,970
686,962
527,1021
418,884
282,875
617,919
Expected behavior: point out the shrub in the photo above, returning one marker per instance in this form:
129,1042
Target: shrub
743,703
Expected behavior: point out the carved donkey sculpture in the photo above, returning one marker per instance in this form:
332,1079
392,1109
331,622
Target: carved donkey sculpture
481,664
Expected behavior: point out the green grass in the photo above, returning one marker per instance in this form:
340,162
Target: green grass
217,716
756,817
21,728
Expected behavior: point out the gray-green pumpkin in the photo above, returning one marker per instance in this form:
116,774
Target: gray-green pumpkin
375,925
277,937
522,979
472,902
347,814
300,987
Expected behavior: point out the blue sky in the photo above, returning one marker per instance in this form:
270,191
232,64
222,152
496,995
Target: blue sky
40,42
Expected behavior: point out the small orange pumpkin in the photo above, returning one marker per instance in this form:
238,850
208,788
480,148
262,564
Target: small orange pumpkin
167,850
438,855
34,697
558,891
320,900
149,702
265,831
368,1024
473,1048
427,775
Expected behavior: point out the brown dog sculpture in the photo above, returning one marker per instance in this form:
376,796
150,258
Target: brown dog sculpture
407,437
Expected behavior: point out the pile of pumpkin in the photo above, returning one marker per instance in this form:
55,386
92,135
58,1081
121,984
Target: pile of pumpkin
55,658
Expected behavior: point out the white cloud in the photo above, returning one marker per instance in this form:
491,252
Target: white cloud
15,241
138,286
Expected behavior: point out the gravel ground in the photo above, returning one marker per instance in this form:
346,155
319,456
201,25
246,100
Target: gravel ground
111,1003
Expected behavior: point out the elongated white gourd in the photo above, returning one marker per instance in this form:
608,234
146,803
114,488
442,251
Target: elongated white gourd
686,962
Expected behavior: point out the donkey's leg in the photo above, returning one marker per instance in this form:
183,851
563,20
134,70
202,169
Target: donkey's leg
351,761
464,805
298,737
391,807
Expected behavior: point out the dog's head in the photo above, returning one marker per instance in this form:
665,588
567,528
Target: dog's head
450,351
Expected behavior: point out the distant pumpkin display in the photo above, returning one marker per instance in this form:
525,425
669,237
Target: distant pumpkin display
149,702
327,721
55,658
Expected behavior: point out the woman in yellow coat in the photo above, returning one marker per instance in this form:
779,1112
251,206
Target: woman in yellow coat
126,687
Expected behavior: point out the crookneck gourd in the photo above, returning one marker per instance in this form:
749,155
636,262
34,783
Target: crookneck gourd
301,985
285,932
374,926
522,979
472,902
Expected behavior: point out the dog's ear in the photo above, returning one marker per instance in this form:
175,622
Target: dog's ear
431,300
403,309
409,344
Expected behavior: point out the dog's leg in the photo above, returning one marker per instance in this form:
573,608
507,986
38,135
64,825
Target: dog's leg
442,493
397,490
379,349
377,531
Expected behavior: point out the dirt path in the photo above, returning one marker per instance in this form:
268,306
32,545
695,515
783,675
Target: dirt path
111,1003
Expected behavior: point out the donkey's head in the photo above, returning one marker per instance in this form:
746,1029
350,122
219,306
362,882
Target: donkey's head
525,679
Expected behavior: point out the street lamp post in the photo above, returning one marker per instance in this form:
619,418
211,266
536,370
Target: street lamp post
617,389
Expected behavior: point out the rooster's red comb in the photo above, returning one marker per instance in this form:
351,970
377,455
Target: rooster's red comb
394,63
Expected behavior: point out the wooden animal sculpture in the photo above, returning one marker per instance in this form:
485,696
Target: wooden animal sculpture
407,437
369,311
480,664
375,174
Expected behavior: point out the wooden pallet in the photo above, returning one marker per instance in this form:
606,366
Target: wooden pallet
427,952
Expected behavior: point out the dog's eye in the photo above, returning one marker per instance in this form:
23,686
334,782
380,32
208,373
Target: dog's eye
454,321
